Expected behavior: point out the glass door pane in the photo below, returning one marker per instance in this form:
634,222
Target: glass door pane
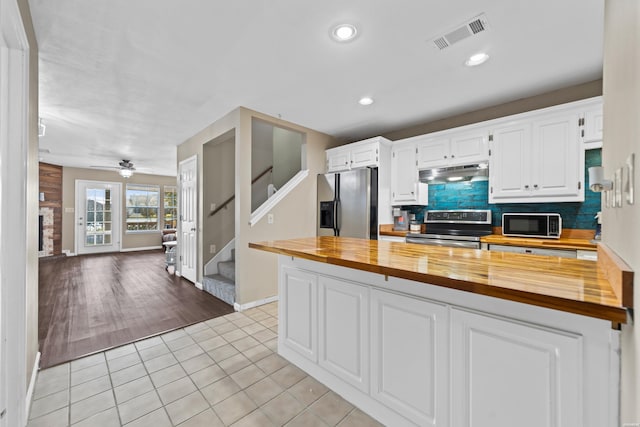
98,215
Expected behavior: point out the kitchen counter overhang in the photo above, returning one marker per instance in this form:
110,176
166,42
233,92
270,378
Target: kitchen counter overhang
600,289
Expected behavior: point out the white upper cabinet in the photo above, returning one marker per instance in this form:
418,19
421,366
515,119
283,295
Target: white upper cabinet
592,125
433,152
446,149
509,166
538,159
338,159
405,187
356,155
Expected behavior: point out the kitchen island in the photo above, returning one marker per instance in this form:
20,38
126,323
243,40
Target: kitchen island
417,335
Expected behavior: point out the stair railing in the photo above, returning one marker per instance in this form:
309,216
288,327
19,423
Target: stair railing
230,199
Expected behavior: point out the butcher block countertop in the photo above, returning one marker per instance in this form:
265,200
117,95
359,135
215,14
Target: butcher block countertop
602,289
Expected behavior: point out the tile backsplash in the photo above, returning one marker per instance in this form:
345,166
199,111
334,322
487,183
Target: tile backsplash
475,195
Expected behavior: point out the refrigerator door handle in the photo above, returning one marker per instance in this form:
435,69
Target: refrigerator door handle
336,218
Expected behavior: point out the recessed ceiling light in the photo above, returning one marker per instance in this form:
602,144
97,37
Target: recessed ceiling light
365,100
344,32
476,59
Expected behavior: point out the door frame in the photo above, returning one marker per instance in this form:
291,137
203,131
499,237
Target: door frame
14,214
116,217
196,201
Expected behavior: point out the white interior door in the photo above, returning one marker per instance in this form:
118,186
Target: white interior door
188,206
98,216
15,218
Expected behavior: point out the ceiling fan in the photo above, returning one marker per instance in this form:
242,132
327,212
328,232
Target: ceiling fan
125,168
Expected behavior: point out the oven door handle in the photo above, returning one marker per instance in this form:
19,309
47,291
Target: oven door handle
443,242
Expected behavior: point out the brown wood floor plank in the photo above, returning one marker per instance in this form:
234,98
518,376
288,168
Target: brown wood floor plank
91,303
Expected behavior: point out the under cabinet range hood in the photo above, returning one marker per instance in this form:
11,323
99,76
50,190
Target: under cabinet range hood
472,172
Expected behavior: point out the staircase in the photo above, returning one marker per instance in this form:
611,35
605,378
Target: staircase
223,284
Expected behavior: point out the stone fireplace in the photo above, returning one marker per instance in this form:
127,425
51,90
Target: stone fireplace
46,232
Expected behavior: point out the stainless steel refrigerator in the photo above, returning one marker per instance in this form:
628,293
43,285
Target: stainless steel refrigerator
348,204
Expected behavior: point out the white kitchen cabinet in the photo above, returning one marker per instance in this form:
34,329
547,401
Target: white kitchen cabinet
444,357
453,149
469,147
338,159
409,357
538,160
356,155
434,152
506,373
405,187
592,127
509,163
564,253
343,330
298,323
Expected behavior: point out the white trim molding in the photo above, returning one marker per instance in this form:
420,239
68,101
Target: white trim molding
198,285
280,194
252,304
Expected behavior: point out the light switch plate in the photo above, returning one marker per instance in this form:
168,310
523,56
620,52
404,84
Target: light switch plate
629,177
69,210
270,218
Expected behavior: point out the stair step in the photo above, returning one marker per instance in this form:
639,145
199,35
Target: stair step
220,287
227,269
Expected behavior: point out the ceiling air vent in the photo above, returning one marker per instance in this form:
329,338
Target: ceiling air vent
470,28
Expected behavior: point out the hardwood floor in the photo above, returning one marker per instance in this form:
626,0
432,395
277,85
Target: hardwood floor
91,303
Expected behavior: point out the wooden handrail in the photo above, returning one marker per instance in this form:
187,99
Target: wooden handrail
230,199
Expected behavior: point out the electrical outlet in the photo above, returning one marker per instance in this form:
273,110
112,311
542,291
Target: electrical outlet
212,249
270,218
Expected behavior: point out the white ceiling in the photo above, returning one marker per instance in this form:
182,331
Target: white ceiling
133,79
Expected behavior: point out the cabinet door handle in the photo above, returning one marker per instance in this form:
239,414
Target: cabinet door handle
445,157
452,156
526,187
535,186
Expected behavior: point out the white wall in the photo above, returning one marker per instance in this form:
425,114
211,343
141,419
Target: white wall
621,226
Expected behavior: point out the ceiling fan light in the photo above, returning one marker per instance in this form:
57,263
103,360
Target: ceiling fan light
125,173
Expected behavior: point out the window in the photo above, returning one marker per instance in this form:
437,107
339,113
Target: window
143,203
170,207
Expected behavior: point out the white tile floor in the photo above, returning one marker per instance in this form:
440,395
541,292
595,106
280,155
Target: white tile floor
221,372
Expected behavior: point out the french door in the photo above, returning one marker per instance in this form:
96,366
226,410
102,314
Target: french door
188,208
98,216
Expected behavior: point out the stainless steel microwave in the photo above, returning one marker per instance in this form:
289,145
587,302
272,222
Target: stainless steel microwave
544,225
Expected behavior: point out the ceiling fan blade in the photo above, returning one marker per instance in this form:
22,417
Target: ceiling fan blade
105,167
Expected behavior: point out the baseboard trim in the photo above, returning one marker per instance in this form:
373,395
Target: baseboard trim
32,385
252,304
144,248
199,285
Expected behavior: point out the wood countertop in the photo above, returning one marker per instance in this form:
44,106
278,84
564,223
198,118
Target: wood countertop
595,289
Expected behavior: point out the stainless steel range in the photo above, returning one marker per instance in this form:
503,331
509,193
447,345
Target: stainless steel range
454,228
